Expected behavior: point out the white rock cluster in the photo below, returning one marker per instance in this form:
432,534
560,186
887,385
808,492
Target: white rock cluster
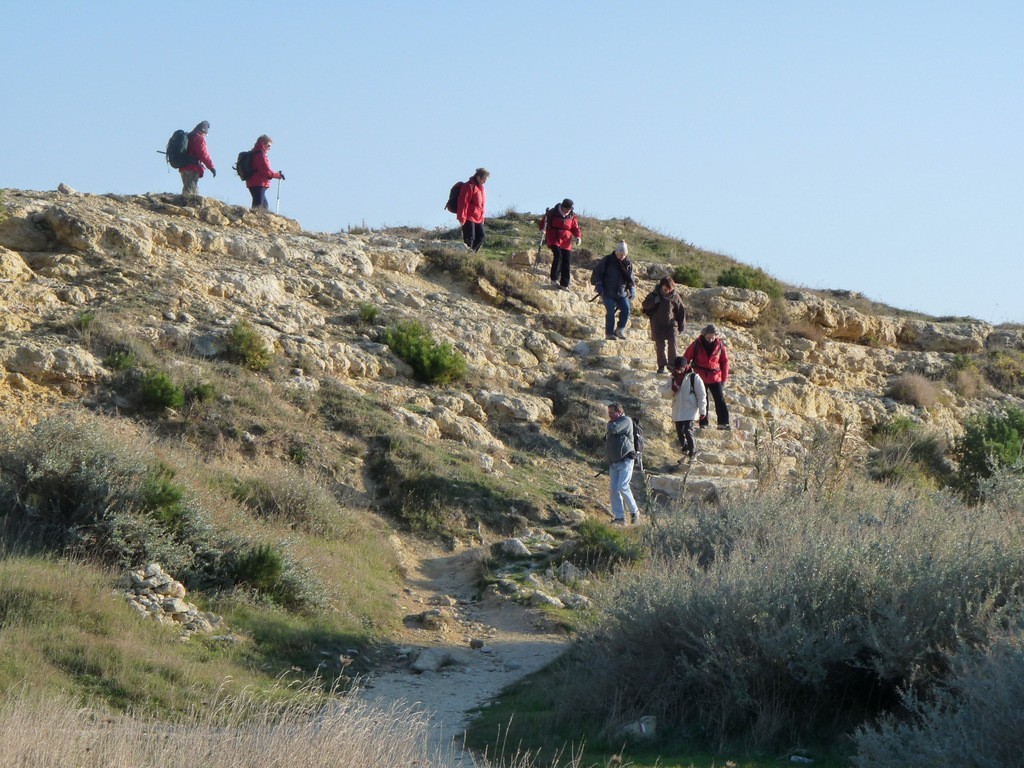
155,594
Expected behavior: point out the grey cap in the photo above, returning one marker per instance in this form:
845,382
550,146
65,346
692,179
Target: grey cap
709,328
203,127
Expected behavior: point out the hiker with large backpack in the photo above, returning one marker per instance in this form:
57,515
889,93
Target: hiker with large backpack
622,451
260,172
664,307
196,156
709,358
469,209
561,230
614,282
689,404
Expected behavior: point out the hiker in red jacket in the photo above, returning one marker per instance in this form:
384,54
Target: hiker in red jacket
198,156
259,181
470,210
710,360
562,230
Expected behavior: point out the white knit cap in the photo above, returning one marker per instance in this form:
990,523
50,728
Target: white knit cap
622,248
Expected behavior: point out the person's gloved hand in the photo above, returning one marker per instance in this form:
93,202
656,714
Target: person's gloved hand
703,422
632,295
578,240
214,172
282,175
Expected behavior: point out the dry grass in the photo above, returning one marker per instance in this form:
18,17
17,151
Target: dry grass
240,732
914,389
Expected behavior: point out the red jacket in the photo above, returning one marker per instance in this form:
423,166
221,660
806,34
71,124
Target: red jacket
472,201
197,154
261,173
711,368
561,229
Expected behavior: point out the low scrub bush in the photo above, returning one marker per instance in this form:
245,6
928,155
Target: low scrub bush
120,360
914,389
1004,368
157,391
991,441
431,362
688,275
904,451
973,719
750,278
288,495
246,347
367,313
795,618
600,547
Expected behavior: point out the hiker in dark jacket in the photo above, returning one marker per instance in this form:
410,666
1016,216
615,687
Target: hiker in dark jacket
259,182
561,231
710,360
470,209
618,448
614,282
664,307
198,156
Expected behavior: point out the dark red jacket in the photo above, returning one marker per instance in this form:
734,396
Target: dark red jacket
711,367
561,229
472,201
198,154
261,173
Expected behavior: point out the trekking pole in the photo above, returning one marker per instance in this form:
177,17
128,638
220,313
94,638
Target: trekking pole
277,207
540,244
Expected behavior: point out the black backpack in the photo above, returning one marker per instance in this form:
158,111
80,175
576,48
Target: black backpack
452,206
639,442
177,149
243,165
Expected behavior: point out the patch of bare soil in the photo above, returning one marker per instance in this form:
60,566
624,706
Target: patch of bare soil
485,644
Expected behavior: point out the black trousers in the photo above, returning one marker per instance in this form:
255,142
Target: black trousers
684,431
259,197
561,260
717,391
473,234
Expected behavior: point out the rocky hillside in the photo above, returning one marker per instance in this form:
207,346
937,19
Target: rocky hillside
162,283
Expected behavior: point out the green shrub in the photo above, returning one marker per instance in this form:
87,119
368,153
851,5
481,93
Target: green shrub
121,360
157,391
431,362
202,392
974,719
601,547
990,441
247,347
795,618
274,575
688,275
367,313
1004,368
290,496
750,278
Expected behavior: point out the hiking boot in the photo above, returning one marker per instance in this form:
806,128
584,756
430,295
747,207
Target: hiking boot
618,521
621,333
563,287
610,337
724,426
634,518
661,369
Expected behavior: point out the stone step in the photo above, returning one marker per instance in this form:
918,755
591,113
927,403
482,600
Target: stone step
676,485
725,471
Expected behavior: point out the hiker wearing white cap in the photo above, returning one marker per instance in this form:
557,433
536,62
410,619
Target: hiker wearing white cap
613,280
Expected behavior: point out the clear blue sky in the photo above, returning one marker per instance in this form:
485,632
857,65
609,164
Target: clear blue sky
867,145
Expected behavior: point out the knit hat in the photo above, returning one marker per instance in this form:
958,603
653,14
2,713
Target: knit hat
709,328
622,248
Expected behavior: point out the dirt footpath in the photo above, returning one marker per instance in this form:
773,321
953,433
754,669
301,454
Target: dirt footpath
512,641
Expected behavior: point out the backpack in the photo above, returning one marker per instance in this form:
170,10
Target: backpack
452,206
243,165
639,441
177,149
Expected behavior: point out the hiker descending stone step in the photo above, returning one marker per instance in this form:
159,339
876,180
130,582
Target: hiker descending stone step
708,356
614,282
689,403
469,209
259,179
194,157
664,308
621,450
561,232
